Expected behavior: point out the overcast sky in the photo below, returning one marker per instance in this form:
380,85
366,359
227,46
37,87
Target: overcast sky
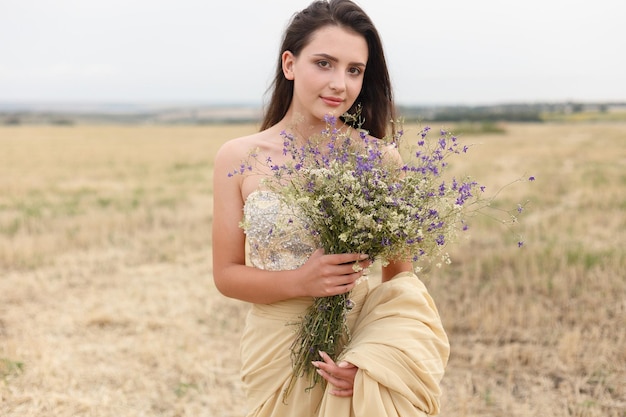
213,51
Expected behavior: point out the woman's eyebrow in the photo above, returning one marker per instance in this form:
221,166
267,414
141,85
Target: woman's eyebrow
334,59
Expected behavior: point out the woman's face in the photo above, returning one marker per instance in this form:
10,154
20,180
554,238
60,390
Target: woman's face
328,72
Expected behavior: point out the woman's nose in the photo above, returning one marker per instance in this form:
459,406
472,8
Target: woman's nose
338,81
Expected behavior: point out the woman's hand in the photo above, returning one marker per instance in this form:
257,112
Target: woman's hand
340,376
326,275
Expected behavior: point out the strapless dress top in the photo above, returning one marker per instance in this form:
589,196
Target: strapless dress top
278,238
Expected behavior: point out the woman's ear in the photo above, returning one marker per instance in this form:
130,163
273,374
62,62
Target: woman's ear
288,60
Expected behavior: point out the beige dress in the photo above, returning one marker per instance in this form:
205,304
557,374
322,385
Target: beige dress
398,342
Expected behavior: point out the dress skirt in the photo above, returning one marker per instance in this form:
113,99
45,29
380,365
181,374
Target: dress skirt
397,342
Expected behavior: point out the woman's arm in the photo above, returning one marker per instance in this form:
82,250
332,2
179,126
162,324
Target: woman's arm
321,275
394,268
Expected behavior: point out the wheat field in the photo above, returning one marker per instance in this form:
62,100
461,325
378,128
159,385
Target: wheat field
108,308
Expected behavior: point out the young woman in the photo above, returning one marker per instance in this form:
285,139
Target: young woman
331,60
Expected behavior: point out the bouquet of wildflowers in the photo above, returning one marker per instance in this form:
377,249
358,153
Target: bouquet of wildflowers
356,196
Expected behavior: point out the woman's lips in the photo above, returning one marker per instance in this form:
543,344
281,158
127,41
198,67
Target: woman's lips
332,101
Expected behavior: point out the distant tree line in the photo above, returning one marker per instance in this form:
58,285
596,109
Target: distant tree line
505,112
474,114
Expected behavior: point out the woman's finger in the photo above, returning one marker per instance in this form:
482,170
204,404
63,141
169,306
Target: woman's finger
338,383
340,376
342,392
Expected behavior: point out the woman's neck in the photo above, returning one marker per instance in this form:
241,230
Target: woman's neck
303,127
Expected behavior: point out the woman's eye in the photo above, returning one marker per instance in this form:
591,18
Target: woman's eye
323,64
354,70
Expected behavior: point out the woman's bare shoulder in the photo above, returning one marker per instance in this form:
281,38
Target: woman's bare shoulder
241,155
389,148
242,146
239,147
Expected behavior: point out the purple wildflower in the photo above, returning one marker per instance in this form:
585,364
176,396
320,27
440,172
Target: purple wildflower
442,189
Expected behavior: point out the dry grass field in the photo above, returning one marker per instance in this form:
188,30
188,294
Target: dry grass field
108,308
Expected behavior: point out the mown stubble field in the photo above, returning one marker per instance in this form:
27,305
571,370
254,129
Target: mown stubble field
108,308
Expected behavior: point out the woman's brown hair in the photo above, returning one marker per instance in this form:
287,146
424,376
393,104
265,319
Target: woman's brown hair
375,98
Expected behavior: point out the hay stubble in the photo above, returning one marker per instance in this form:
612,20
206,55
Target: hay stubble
107,305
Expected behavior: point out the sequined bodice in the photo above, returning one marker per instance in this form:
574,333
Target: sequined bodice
277,239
